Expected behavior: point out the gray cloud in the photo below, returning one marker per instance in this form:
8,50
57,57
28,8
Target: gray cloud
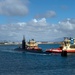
40,30
67,25
13,7
48,14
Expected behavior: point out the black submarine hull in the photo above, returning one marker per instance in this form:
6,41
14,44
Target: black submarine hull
32,51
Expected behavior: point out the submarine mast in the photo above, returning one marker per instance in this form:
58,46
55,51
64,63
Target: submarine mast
23,43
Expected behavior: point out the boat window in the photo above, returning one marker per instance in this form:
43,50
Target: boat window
72,46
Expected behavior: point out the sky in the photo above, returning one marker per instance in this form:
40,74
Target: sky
42,20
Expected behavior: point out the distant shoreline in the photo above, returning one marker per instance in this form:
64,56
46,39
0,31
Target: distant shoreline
19,43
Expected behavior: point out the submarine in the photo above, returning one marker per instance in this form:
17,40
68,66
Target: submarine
30,46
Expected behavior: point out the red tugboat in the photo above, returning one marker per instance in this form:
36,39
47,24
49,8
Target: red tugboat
32,46
56,50
68,45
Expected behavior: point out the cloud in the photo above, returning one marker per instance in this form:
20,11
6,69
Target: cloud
39,29
48,14
14,7
67,27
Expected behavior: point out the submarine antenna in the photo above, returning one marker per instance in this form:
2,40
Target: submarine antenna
23,43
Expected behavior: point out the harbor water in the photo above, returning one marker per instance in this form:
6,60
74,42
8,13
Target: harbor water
26,63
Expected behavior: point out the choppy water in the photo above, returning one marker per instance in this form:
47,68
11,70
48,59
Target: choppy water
18,63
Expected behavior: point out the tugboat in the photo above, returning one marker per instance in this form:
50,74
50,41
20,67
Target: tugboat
55,50
31,46
68,45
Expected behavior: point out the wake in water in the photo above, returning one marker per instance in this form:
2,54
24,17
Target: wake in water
10,50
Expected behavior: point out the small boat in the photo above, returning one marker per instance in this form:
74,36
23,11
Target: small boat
32,46
55,50
68,45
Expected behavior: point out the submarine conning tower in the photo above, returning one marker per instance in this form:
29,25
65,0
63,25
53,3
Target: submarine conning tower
23,43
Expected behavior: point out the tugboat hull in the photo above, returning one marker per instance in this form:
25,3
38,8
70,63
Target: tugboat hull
59,51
